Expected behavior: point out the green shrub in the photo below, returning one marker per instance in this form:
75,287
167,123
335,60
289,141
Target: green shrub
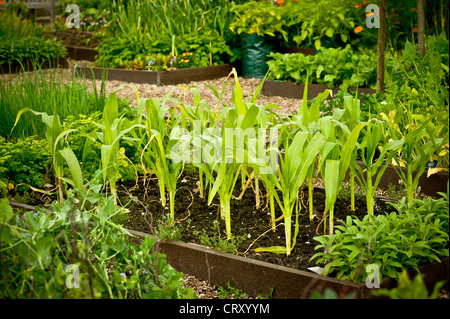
26,162
333,67
21,39
395,242
30,48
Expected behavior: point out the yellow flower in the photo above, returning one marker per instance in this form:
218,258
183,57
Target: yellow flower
10,186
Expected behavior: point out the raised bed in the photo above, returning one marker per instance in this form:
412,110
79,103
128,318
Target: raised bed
28,65
295,91
258,277
156,77
305,51
81,53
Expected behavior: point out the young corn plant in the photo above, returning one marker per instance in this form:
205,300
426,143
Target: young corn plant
223,168
335,161
308,119
113,129
414,151
374,141
222,159
54,135
352,116
199,116
156,153
298,157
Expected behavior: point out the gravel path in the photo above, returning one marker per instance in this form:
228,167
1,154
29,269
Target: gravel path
249,86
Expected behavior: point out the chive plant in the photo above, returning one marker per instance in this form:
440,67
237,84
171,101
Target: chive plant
46,92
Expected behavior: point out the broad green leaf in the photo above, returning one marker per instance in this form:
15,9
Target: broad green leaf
238,95
331,182
6,211
272,249
347,150
74,167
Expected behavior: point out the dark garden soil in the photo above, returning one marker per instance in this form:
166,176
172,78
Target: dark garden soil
74,38
251,227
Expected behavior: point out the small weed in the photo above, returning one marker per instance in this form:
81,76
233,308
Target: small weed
230,292
217,242
168,229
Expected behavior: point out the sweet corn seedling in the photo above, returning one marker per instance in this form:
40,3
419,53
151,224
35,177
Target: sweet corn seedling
336,157
374,139
417,147
54,135
112,131
309,118
156,152
353,117
298,157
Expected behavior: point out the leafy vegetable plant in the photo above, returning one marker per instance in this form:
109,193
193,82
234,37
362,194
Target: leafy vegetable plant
395,242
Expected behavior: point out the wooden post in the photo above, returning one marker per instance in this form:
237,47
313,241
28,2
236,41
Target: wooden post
381,45
421,27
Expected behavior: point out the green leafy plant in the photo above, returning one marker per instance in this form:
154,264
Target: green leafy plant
21,40
416,89
216,241
113,129
395,242
261,18
336,157
54,134
78,252
410,289
229,291
415,152
315,25
26,162
222,159
341,67
45,92
169,28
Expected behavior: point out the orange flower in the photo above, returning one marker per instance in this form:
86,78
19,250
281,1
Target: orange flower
414,9
415,29
358,29
365,3
280,2
2,2
368,14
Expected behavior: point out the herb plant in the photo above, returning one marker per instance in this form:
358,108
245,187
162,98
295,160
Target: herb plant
395,242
